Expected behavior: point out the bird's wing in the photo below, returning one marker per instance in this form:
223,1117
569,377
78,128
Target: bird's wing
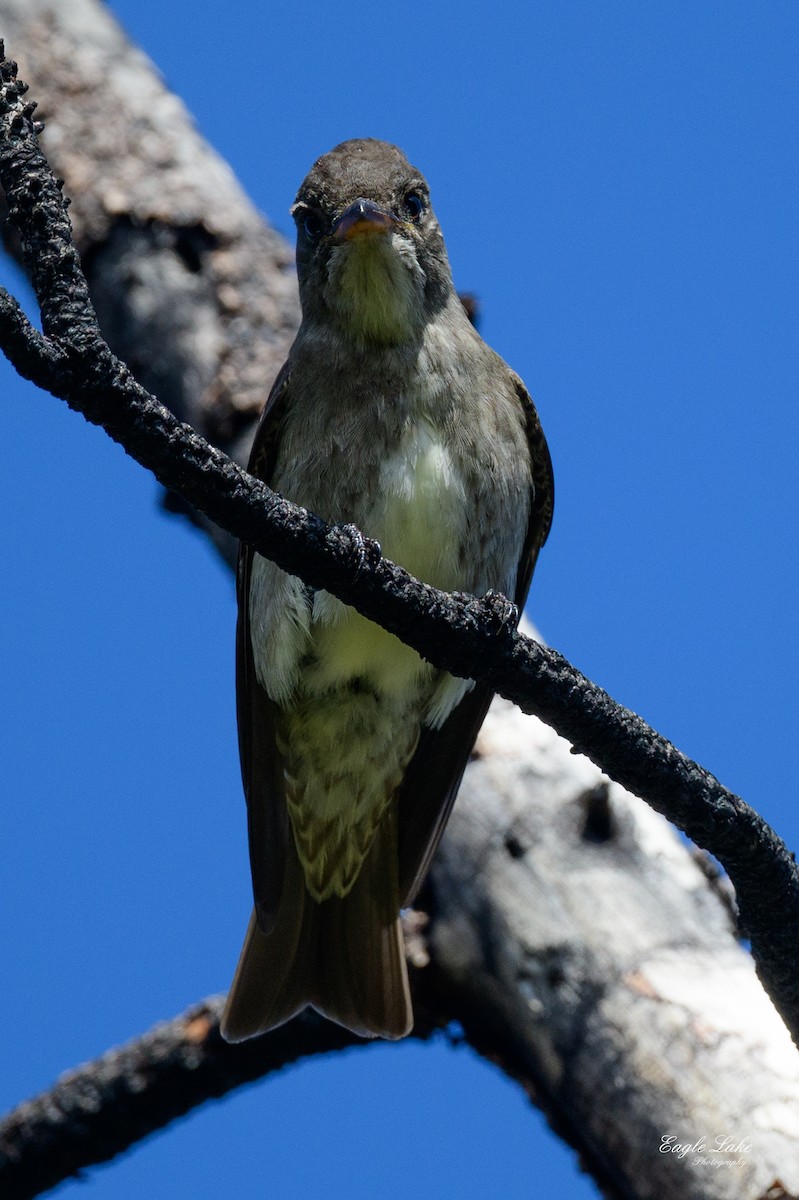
542,500
433,777
429,787
261,765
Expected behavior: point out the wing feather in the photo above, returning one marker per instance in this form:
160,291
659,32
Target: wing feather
434,774
261,764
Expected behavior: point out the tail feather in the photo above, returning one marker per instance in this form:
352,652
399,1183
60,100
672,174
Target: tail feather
363,980
343,957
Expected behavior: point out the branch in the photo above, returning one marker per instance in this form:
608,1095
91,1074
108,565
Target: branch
103,1107
471,638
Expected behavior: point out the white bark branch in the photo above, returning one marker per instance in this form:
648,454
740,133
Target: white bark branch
611,969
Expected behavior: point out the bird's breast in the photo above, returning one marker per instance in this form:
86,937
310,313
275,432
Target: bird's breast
419,513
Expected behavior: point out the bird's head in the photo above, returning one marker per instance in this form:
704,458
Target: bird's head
370,255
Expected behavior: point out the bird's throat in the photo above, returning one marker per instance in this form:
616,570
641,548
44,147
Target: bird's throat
376,288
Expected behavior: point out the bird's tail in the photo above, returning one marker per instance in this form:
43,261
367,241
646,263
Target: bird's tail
343,957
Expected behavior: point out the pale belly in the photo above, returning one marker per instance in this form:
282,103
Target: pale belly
419,518
353,697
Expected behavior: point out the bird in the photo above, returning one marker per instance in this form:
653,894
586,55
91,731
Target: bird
390,413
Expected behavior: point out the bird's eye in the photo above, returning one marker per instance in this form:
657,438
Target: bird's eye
313,225
414,205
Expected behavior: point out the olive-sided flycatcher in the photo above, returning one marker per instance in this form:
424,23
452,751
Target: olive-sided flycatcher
393,414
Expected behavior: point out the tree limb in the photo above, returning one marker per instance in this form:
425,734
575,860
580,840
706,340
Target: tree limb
100,1109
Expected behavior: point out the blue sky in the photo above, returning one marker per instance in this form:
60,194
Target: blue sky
618,183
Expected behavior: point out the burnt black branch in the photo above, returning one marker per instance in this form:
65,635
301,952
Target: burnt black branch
100,1109
455,632
103,1107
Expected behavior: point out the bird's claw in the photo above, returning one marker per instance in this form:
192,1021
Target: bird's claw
498,612
361,552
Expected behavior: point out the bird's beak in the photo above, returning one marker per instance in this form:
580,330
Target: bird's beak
362,217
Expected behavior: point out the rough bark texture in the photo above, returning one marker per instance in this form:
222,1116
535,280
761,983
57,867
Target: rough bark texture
572,934
591,955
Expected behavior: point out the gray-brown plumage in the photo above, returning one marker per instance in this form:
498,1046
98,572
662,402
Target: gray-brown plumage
391,413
